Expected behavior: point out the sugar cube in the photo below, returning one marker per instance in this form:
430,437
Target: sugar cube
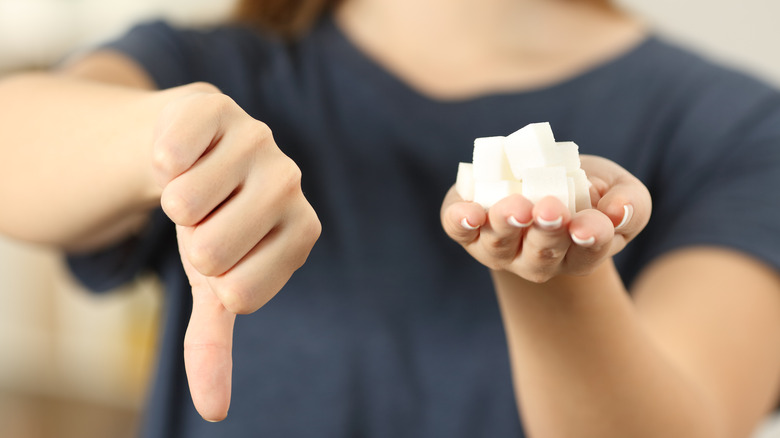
490,160
487,193
529,162
540,182
572,200
464,184
581,190
570,154
532,146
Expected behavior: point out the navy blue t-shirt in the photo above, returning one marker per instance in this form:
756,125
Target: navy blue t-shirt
391,329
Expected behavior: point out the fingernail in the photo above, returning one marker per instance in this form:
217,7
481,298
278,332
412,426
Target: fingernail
465,224
583,242
628,211
550,225
515,223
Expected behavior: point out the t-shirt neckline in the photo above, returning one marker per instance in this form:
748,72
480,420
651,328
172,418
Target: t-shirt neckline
348,52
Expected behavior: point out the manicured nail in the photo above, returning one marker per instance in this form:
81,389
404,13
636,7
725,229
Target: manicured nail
516,223
550,225
583,242
465,224
628,211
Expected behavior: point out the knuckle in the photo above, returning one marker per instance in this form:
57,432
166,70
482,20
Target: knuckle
256,138
311,232
501,248
315,228
206,257
160,158
499,243
178,208
548,256
293,175
287,179
259,139
202,87
219,103
236,297
261,132
167,158
307,231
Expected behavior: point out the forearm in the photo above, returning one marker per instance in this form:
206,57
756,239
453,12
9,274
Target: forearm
584,365
75,159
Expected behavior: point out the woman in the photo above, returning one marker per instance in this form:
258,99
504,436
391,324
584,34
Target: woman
390,329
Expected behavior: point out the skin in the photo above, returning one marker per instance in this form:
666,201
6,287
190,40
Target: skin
691,352
242,222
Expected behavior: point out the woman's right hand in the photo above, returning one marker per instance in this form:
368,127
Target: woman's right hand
243,224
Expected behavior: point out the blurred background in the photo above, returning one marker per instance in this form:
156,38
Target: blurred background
75,364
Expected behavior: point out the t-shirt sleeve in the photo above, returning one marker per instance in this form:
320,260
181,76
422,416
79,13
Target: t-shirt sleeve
118,264
160,49
720,170
226,56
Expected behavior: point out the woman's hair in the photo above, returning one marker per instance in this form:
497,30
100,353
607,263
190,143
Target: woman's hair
288,18
291,18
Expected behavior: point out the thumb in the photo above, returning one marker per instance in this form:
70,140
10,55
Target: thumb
208,345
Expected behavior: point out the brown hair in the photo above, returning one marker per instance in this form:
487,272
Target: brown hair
291,18
288,18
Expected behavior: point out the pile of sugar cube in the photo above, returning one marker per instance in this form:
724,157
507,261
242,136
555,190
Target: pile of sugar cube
528,162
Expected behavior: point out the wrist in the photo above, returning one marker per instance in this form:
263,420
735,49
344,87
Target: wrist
562,293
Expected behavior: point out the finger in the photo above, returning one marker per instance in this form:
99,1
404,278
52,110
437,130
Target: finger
257,278
461,220
191,196
628,206
591,233
550,216
546,243
186,130
507,222
226,236
622,197
208,344
511,213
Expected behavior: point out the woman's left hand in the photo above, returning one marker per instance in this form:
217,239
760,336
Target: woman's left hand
538,242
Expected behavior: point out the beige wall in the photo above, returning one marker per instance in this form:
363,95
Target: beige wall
745,33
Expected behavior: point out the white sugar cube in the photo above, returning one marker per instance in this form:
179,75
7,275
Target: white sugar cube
572,204
535,132
581,190
529,162
540,182
487,193
489,160
570,155
530,147
464,184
